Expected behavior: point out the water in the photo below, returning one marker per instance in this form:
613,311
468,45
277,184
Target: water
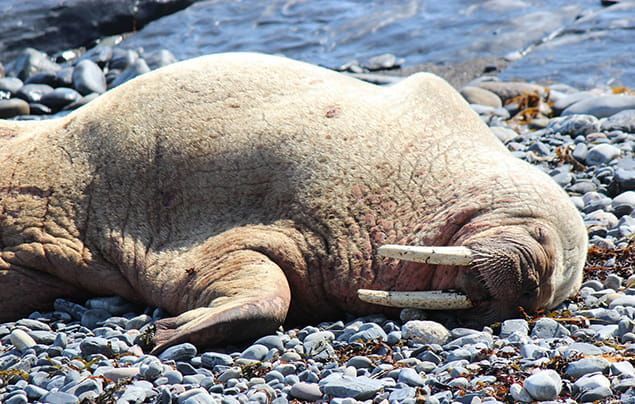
588,44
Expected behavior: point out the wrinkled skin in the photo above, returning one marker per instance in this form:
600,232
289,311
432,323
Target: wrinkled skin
239,191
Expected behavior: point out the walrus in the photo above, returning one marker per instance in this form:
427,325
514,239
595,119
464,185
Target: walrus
241,191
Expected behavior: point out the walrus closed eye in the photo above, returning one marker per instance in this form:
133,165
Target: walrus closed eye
242,191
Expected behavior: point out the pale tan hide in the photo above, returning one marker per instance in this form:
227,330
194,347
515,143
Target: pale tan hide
240,190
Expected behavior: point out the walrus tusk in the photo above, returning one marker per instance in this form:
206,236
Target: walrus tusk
428,255
427,300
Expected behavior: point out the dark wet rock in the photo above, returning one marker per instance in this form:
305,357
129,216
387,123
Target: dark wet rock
13,107
100,55
82,101
60,97
51,25
602,106
88,78
122,58
29,62
33,92
137,68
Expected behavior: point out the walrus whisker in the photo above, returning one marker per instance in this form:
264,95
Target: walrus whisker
427,300
454,255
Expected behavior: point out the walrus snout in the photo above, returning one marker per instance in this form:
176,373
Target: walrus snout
501,272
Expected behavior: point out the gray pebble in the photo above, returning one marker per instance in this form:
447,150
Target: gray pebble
255,352
602,154
33,92
88,78
180,352
271,341
360,388
137,68
548,328
92,317
29,62
574,125
369,332
519,326
58,397
623,121
544,385
601,106
592,382
10,84
60,97
212,359
306,391
410,377
585,366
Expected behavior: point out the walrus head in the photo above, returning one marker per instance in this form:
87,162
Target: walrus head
498,273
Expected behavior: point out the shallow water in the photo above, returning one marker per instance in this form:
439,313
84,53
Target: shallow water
334,32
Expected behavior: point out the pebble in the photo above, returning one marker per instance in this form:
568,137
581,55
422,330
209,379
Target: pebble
180,352
30,62
585,366
360,388
544,385
623,121
602,154
481,96
13,107
21,340
137,68
60,97
508,90
88,78
602,106
306,391
33,92
425,332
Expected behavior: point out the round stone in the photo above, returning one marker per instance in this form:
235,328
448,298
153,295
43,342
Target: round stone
602,154
21,340
425,332
544,385
13,107
306,391
88,78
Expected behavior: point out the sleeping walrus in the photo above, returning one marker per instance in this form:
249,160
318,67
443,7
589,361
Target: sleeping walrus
238,191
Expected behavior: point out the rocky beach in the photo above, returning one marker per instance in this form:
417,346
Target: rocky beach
579,129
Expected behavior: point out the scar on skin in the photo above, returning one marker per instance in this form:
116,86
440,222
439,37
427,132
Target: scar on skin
333,112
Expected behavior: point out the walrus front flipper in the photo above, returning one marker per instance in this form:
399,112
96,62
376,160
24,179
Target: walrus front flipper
249,297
